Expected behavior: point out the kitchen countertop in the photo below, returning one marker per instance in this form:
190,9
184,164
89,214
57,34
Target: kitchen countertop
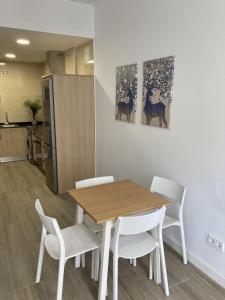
19,124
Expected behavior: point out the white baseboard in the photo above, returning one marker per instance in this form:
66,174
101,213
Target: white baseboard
202,266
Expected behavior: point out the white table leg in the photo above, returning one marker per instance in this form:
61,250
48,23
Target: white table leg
104,261
78,220
156,261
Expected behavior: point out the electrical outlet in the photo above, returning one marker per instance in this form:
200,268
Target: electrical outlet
215,243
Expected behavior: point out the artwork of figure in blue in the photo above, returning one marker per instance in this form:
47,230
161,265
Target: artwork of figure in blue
126,93
157,91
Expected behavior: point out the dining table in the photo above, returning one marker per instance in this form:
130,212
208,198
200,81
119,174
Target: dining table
105,203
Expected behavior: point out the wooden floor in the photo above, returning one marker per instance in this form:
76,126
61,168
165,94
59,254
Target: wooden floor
20,184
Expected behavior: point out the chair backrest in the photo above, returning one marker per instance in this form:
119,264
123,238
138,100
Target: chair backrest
168,188
93,181
50,224
140,223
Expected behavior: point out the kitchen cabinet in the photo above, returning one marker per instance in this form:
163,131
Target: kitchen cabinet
12,143
69,131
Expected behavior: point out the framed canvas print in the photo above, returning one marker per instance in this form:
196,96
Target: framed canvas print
126,93
157,91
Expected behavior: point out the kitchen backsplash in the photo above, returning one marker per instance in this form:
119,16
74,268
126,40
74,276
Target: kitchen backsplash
22,81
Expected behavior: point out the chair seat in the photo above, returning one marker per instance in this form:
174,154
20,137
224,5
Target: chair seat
168,221
133,246
78,239
136,245
93,225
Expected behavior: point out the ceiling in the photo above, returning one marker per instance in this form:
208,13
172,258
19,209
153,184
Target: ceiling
40,43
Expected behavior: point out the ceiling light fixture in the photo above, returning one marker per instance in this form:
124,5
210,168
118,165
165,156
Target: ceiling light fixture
23,42
90,61
2,63
10,55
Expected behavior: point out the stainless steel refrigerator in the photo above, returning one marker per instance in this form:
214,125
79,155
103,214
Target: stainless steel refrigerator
49,135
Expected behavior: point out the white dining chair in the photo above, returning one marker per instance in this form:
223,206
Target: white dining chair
63,244
175,192
87,220
132,240
89,183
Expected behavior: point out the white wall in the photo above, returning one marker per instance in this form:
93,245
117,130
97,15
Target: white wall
193,150
54,16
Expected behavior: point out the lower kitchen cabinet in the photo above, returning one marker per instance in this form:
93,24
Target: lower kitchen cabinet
13,143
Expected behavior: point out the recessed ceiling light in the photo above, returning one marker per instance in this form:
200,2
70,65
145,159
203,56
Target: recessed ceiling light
2,63
23,42
90,61
10,55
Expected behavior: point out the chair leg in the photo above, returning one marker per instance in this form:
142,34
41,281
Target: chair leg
97,262
60,279
77,260
83,260
93,264
158,265
133,261
150,266
115,277
40,260
156,261
183,243
164,271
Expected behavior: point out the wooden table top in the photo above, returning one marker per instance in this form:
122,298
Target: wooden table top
108,201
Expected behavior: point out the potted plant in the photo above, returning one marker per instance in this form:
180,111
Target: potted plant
35,106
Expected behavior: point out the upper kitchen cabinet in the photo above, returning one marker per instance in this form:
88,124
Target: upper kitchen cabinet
56,62
84,59
73,61
80,60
